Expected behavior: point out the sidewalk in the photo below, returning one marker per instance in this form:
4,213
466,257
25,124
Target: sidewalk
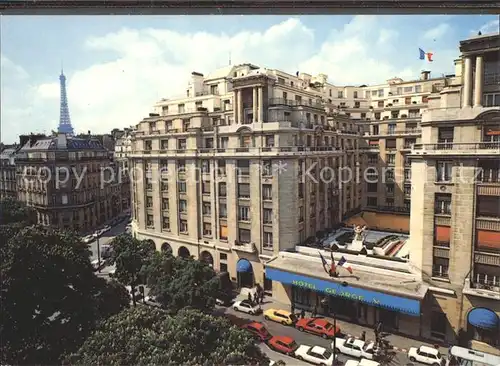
400,343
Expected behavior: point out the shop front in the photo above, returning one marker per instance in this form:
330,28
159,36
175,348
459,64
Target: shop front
350,299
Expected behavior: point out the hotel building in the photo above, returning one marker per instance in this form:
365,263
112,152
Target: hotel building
8,173
227,180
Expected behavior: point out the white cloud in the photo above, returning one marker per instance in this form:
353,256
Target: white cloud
148,64
491,27
437,32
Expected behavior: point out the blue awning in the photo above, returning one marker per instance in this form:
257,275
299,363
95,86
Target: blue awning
244,266
374,298
483,318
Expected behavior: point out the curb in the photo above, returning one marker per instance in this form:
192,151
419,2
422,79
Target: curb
404,350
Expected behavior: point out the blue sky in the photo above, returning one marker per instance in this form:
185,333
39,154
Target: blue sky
118,66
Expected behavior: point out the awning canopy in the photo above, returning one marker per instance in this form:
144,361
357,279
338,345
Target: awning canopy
244,266
483,318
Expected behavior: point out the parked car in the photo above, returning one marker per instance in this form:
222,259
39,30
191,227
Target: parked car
317,355
248,307
355,347
283,344
425,354
281,316
258,330
363,362
318,326
151,300
98,264
106,228
137,293
88,239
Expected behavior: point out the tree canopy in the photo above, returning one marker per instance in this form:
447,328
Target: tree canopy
178,282
148,336
129,255
51,298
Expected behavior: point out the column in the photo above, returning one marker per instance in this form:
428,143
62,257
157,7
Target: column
255,103
467,82
261,105
239,107
478,82
235,106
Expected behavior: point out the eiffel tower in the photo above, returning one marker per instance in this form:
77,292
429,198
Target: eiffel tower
64,118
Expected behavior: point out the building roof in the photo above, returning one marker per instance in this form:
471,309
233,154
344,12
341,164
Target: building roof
8,153
220,73
365,277
69,143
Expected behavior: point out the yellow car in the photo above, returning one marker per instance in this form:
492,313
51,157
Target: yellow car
281,316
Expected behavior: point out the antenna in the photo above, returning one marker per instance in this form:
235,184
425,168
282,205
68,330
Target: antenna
229,58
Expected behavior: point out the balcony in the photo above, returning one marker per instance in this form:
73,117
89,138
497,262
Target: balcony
451,148
482,287
244,247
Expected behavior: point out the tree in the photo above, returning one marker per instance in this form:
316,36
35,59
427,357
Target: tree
51,298
178,282
129,255
14,216
149,336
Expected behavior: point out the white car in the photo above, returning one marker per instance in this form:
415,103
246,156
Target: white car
95,263
355,347
317,355
363,362
246,306
151,300
106,228
427,355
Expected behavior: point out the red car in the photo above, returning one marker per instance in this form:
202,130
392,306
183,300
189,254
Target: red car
258,330
283,344
318,326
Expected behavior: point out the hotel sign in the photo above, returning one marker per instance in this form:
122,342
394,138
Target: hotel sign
374,298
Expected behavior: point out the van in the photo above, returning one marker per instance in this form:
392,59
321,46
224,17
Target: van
363,362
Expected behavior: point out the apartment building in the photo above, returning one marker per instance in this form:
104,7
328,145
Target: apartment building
8,172
122,148
455,210
232,170
69,181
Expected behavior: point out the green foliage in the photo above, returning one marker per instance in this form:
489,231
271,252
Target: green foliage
178,282
13,211
148,336
129,255
51,298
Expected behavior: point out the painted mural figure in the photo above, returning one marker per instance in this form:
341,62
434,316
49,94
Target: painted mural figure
358,232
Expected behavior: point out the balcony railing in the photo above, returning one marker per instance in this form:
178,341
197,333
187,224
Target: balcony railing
295,103
257,150
459,146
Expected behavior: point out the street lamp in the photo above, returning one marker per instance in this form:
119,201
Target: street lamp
98,255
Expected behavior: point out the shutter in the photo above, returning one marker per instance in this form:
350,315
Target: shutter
488,239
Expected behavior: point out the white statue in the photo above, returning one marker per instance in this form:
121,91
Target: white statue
358,231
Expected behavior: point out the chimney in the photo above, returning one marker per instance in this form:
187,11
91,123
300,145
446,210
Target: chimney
424,75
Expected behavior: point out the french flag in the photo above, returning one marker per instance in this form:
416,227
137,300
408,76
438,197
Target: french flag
343,263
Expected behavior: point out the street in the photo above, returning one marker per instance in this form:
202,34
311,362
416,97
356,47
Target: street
107,237
305,338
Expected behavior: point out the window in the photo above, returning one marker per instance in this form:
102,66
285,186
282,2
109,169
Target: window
301,213
223,266
165,223
407,175
418,88
164,186
207,229
440,267
244,236
408,144
205,166
442,204
164,144
181,144
391,159
380,92
438,325
372,187
223,236
389,202
181,187
244,213
222,210
246,141
407,205
269,140
149,202
150,221
223,256
222,190
209,143
223,142
340,94
205,187
164,203
390,143
488,206
372,159
182,206
268,216
390,188
407,190
267,192
445,135
380,104
408,89
491,100
268,241
207,209
243,190
186,124
149,185
180,108
183,227
489,171
221,167
443,171
389,175
355,94
371,201
243,167
442,236
267,168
